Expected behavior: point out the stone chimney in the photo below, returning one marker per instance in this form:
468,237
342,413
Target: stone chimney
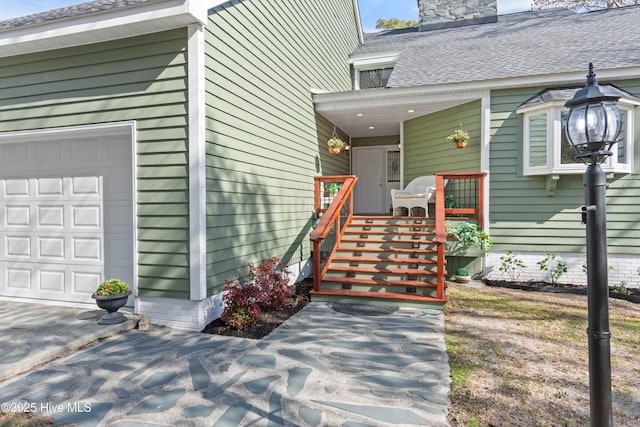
437,14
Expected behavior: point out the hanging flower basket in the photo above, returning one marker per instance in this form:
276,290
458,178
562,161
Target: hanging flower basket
335,150
459,137
460,143
336,145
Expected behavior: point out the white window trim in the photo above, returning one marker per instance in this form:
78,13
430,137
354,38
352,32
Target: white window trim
554,137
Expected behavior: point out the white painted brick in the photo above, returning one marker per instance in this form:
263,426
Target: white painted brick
626,268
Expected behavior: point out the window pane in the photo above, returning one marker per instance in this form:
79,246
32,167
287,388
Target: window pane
622,139
538,140
567,152
393,166
370,79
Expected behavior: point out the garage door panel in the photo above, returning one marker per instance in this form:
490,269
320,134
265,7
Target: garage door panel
17,188
50,216
17,247
84,151
48,153
85,282
18,277
66,216
49,186
86,217
86,249
14,154
86,185
17,216
51,249
50,280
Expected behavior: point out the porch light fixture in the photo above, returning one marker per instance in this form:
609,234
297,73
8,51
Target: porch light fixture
592,127
594,122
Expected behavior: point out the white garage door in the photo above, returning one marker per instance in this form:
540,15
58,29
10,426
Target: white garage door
66,214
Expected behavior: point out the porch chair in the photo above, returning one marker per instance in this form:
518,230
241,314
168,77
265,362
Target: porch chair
417,194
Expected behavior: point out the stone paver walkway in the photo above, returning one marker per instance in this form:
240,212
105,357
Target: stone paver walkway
330,365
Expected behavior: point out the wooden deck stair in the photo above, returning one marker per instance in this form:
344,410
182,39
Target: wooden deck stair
384,258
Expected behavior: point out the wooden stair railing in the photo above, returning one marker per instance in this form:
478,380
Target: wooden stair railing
389,257
332,223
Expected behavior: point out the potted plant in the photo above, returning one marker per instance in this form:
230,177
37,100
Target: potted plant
336,145
459,137
462,275
333,188
110,295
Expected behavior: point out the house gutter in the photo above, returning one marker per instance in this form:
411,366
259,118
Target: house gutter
326,101
99,26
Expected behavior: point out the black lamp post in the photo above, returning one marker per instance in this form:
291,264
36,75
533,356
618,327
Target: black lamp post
592,127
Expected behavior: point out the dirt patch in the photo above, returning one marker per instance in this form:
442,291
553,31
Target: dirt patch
269,319
520,358
28,419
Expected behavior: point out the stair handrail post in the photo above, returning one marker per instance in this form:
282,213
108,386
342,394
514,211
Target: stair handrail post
441,235
481,178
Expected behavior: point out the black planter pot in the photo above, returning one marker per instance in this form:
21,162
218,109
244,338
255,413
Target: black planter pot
111,303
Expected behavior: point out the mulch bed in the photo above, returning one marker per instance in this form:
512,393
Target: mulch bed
268,320
633,296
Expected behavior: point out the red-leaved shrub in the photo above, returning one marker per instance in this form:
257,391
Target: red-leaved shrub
268,288
272,277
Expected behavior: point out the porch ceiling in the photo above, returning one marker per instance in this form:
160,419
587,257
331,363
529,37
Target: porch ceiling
379,112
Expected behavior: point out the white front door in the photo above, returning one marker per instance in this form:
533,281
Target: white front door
66,216
368,166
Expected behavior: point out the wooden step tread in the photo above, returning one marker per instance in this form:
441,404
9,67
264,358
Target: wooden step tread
383,233
384,224
368,240
380,282
388,250
380,295
377,270
368,260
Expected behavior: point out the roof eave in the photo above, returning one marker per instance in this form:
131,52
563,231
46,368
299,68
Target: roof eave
374,95
98,27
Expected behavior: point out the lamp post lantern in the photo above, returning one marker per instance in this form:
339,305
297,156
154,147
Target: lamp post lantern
592,127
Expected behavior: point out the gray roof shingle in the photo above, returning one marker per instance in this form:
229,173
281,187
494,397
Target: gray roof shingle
69,12
520,44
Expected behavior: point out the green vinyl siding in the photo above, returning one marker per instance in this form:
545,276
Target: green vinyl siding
426,149
265,143
525,216
142,79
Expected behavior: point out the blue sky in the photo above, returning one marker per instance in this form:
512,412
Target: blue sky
370,10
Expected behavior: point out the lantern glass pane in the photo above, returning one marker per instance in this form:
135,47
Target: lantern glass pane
596,124
576,126
614,121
